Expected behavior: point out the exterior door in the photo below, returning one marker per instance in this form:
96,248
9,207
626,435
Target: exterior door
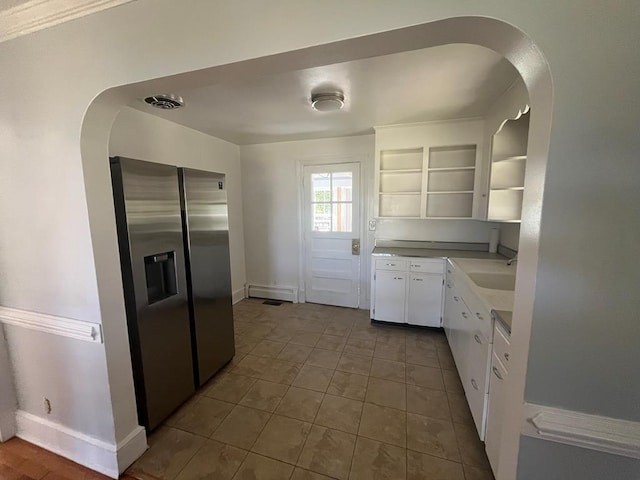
332,234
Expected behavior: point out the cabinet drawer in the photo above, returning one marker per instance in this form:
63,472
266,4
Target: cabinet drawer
427,265
476,388
501,345
391,264
478,311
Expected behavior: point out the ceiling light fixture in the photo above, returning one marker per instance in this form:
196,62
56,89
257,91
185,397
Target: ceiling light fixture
327,102
165,102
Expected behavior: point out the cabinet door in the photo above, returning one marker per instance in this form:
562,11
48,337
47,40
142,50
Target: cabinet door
495,411
390,296
449,307
475,380
425,300
457,315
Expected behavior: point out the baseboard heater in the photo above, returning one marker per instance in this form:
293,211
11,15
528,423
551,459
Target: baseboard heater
287,294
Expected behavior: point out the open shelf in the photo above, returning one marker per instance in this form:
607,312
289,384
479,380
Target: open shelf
508,164
450,205
449,169
405,159
508,158
400,205
396,182
452,156
451,176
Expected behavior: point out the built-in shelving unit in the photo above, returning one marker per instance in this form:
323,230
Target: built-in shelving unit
428,170
401,175
450,181
508,163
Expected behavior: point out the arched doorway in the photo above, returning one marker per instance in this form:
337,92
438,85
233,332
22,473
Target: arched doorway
496,35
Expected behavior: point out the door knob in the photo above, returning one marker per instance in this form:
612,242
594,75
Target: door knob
355,246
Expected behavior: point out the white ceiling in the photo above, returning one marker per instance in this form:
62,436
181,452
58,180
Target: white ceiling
451,81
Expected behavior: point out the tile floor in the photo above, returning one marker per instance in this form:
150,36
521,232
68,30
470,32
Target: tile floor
318,392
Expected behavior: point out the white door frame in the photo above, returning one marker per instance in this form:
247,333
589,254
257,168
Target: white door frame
330,159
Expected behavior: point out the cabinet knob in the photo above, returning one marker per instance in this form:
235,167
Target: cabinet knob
506,356
398,278
496,372
391,264
456,299
464,315
474,384
448,285
418,279
480,317
477,339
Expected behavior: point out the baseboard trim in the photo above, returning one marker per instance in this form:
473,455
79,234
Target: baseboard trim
7,425
42,322
131,448
287,294
98,455
604,434
237,296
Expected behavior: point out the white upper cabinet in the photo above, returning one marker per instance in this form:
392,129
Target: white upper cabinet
506,131
506,178
429,170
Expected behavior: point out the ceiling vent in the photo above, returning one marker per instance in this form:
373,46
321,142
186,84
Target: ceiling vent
327,102
165,102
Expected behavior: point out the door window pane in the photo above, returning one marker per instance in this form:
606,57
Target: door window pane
341,217
321,183
321,217
342,187
331,202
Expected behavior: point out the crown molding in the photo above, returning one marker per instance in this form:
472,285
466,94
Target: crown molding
37,15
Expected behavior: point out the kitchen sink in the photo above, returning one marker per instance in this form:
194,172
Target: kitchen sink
495,281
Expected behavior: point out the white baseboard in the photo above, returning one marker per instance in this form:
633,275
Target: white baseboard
237,296
604,434
287,294
131,448
98,455
7,425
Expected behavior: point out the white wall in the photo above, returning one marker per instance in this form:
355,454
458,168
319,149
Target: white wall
57,238
139,135
271,197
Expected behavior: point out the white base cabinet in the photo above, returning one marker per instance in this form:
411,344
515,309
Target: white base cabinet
424,303
407,290
390,296
466,325
497,394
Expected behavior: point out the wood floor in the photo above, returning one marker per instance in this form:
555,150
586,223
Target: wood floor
20,460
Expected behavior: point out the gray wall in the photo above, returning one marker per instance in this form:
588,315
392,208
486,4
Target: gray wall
540,460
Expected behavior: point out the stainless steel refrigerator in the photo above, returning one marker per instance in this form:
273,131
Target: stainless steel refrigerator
179,313
205,224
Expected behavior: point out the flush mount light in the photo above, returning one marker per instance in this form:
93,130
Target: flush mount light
327,102
165,102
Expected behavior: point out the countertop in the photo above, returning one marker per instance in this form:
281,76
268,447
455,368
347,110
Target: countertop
433,253
499,301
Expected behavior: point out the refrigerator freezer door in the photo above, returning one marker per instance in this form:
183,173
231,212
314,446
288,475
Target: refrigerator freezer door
147,203
206,227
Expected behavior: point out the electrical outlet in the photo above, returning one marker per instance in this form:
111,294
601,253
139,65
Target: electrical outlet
372,225
47,406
